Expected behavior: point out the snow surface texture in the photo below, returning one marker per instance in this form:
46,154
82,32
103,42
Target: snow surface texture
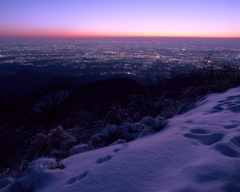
196,151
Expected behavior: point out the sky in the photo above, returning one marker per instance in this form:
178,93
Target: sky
102,18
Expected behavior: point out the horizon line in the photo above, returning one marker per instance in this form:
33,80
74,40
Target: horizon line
111,36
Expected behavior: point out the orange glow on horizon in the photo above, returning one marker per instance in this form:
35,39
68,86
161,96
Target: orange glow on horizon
89,34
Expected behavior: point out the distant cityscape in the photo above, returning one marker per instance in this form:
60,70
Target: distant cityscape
104,57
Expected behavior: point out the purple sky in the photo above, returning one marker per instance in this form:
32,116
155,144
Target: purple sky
198,18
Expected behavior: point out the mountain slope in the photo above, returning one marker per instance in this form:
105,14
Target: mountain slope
22,83
196,151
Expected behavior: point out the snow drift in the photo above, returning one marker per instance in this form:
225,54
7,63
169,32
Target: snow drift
196,151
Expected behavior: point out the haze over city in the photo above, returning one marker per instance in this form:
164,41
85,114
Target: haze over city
104,18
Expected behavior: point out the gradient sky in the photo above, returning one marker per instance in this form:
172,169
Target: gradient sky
83,18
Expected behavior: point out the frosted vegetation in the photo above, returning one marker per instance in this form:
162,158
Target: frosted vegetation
196,151
65,122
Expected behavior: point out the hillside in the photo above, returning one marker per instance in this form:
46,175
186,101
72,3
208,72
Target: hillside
29,82
197,151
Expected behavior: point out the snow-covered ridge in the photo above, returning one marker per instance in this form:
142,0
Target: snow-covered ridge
196,151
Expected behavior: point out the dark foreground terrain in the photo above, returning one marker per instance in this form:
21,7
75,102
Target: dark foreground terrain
33,104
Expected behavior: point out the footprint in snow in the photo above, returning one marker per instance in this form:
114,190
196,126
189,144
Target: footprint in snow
108,157
227,149
234,97
216,109
234,108
124,146
230,148
236,140
104,159
204,137
77,178
231,103
232,125
199,131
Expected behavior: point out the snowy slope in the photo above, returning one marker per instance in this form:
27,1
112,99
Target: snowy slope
196,151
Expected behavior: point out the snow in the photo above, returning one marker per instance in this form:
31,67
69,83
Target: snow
196,151
5,183
79,149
